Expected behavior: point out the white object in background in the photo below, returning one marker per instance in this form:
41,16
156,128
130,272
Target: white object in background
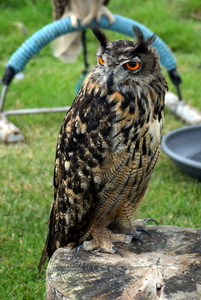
19,76
9,133
182,109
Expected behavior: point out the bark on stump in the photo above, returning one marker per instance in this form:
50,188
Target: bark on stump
165,266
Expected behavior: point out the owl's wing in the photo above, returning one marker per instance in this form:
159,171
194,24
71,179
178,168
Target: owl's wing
77,178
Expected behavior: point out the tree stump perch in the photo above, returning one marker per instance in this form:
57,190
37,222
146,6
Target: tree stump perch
165,266
9,133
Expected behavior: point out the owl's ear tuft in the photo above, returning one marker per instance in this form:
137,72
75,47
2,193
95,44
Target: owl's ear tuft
100,36
142,43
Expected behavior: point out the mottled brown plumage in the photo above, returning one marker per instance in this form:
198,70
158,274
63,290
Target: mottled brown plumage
68,46
107,148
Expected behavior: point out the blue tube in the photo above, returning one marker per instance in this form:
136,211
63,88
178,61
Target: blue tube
48,33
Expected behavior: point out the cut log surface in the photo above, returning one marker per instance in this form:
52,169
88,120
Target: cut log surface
9,133
165,266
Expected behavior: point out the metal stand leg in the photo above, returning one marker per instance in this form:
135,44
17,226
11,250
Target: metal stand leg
9,133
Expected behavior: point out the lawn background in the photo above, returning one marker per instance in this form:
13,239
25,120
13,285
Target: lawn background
26,173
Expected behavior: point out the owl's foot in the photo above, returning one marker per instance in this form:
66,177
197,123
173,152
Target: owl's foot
139,225
104,239
102,11
104,242
138,228
123,238
87,247
105,12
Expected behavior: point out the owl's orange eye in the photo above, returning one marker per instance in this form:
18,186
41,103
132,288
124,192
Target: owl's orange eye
133,65
100,60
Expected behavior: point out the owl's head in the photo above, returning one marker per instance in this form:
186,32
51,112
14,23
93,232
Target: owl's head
124,61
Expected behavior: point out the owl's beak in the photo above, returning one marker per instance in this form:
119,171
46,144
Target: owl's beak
110,81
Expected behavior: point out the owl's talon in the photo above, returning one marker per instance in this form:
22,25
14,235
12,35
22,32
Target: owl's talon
150,219
134,236
143,230
113,248
78,249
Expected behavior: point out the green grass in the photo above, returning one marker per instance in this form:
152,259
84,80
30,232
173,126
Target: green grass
26,190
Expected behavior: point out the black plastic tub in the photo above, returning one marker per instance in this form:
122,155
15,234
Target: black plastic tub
183,146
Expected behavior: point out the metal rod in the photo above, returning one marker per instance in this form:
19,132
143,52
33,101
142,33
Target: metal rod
3,96
36,110
179,92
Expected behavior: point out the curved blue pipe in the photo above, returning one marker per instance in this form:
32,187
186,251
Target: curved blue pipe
48,33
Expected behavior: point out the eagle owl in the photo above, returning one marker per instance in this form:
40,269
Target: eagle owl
68,46
107,148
